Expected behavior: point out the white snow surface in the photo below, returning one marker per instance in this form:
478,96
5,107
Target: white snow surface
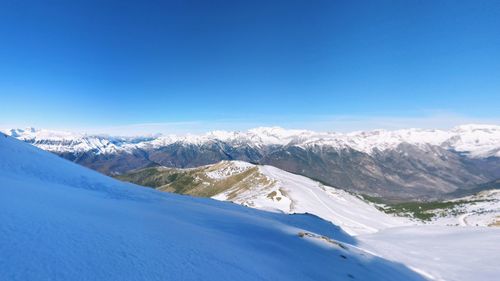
293,193
474,140
441,253
60,221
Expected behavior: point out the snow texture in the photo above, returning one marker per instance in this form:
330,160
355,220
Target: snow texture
441,253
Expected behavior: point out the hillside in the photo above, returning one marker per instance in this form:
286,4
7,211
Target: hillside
205,181
60,221
481,209
269,188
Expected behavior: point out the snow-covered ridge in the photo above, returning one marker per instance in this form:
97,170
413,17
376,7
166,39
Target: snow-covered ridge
290,193
473,140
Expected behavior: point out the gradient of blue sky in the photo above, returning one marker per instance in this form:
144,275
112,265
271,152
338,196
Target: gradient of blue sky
90,64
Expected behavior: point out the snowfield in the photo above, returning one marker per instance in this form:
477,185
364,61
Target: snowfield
60,221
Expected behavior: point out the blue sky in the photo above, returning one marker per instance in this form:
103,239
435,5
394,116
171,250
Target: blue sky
203,65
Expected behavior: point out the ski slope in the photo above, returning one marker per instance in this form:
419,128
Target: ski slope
60,221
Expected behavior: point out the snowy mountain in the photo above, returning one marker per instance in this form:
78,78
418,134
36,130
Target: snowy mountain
66,142
272,189
477,141
269,188
60,221
402,164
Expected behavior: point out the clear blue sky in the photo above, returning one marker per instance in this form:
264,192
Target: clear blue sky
84,64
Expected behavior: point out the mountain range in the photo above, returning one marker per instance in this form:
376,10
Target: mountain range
396,165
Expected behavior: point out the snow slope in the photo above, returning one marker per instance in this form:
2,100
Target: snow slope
473,140
290,193
60,221
437,249
441,253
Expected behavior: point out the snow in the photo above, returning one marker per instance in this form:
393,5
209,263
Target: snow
436,250
60,221
298,194
445,253
228,169
61,142
478,141
473,140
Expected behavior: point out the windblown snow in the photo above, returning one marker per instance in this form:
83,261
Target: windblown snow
60,221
